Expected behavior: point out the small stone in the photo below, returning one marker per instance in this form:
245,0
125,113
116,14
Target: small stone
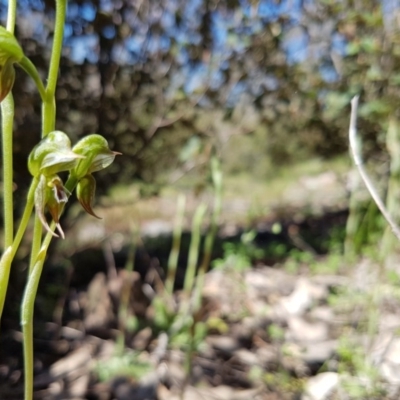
268,356
246,357
142,339
225,344
318,353
98,307
390,367
323,314
303,331
299,300
320,386
393,352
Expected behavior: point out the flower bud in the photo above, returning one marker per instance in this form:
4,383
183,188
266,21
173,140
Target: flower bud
51,155
85,192
95,155
10,52
7,77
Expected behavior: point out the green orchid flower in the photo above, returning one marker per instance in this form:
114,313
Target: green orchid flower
52,155
96,155
51,194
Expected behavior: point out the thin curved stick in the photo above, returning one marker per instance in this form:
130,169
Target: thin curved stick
356,153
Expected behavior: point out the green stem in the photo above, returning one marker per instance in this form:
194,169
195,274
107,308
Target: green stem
36,242
27,307
49,106
38,257
27,310
48,115
11,15
25,216
27,65
5,266
210,238
8,256
61,11
193,256
7,112
176,244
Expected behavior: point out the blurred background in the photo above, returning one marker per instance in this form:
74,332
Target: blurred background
264,87
263,84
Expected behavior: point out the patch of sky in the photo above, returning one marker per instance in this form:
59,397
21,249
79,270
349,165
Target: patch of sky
216,79
246,8
165,43
109,32
167,20
272,10
39,31
269,11
88,11
195,79
182,57
295,45
270,82
390,9
191,13
130,17
155,14
73,11
328,73
3,14
224,65
32,25
67,31
219,31
177,81
235,93
134,43
77,28
259,82
85,47
153,44
25,6
120,55
339,43
106,6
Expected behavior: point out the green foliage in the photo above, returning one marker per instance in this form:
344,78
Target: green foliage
275,332
239,256
129,364
283,382
359,377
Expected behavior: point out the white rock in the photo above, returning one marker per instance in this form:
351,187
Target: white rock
300,299
390,367
393,352
303,331
320,386
319,352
